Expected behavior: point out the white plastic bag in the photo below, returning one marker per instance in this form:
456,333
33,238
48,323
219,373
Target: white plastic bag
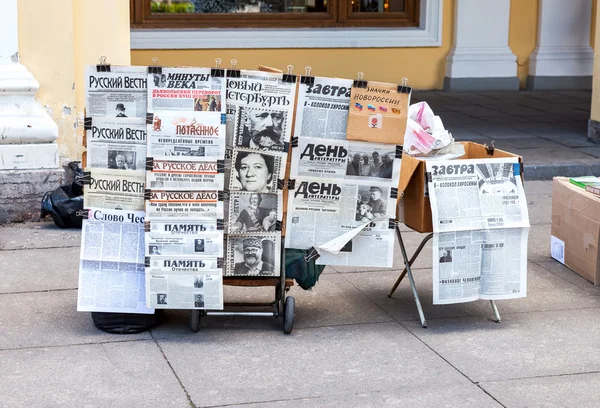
425,132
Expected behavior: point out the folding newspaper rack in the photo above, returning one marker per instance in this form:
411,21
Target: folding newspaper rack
417,210
282,305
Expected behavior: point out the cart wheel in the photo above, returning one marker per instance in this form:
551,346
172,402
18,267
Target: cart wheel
288,314
195,320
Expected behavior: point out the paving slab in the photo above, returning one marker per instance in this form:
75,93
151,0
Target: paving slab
46,319
466,396
539,187
131,374
495,131
333,301
579,390
523,345
538,243
32,270
570,276
540,208
511,144
37,235
592,151
545,291
567,138
225,367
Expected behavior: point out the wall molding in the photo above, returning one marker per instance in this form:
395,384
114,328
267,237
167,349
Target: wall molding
429,34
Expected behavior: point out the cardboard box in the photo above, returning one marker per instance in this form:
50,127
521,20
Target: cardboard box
576,229
412,187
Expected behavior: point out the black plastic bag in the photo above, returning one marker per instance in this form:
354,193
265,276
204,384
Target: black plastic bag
64,203
123,323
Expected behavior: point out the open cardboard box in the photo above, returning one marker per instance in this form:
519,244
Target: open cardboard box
412,187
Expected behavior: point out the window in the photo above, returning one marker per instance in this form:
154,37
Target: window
274,13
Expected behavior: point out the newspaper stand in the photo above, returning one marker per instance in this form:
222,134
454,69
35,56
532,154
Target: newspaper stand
282,305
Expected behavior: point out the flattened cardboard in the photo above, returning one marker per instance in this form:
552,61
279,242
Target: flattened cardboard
412,186
576,222
377,113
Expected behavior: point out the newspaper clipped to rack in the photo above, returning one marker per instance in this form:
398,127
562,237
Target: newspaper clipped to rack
185,89
114,189
253,255
111,267
322,109
186,135
260,109
184,283
481,225
116,143
352,161
119,92
322,210
190,205
184,175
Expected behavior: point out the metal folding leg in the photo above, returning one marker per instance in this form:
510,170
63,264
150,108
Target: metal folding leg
407,265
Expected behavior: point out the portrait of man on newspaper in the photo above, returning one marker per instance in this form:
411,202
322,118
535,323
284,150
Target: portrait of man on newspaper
255,218
253,263
160,80
120,108
254,171
261,128
370,164
372,208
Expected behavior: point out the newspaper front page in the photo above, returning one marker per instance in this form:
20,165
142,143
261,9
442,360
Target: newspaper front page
185,89
116,143
114,189
202,244
254,212
260,109
184,175
187,135
120,93
481,226
111,268
322,109
255,255
321,210
256,171
354,161
188,205
184,283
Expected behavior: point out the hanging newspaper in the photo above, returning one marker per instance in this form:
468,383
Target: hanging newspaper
116,143
359,162
184,175
369,247
184,283
111,268
253,255
481,226
256,171
321,210
186,205
185,89
183,227
254,212
205,244
120,92
260,109
114,189
322,109
186,135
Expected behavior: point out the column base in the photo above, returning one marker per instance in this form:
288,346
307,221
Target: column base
594,131
548,83
481,84
29,156
22,192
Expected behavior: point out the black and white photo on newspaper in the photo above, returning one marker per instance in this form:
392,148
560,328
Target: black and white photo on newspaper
174,206
256,171
119,93
186,89
202,244
114,189
111,268
320,210
254,212
116,143
186,135
353,161
481,226
260,110
184,175
322,108
253,255
184,283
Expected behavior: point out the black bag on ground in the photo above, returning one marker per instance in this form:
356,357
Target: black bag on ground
64,202
123,323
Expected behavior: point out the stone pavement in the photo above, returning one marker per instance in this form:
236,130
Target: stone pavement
549,129
351,344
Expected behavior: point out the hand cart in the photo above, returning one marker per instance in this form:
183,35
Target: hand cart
282,305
